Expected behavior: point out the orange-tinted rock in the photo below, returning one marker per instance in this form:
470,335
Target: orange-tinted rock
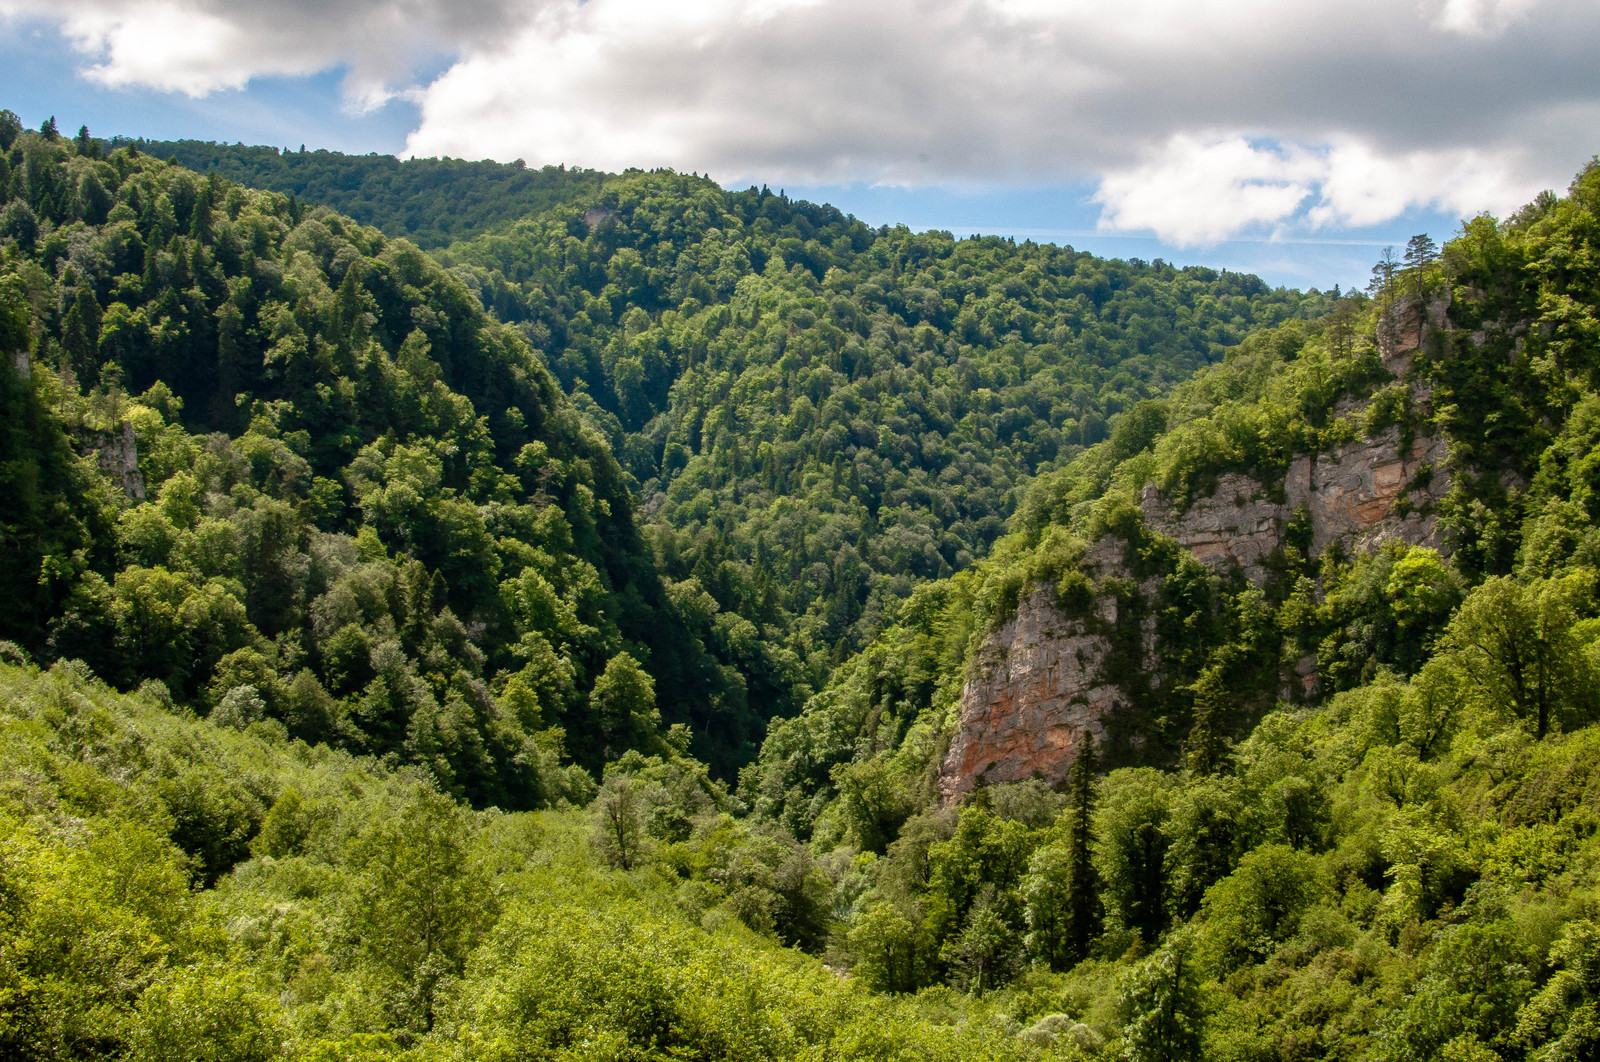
1033,692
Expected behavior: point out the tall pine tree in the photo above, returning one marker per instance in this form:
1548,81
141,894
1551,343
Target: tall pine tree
1083,883
1208,750
1062,892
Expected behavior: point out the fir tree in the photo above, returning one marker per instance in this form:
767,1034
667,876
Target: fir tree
1208,744
81,332
1062,891
1421,252
1083,883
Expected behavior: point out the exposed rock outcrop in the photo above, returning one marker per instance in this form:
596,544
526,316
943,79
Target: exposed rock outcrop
119,456
1037,684
1035,689
1033,692
1354,495
1360,494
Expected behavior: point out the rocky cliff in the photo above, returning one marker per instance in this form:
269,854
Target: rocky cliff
119,458
1359,495
1035,688
1038,684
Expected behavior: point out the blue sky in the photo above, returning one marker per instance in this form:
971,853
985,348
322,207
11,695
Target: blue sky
40,75
1065,215
1292,141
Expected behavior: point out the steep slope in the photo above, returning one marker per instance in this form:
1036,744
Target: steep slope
344,497
1329,627
1098,612
1329,611
783,382
1041,681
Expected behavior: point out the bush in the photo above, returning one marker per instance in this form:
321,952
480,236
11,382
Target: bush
207,1014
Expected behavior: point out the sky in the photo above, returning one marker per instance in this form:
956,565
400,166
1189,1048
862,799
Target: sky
1290,138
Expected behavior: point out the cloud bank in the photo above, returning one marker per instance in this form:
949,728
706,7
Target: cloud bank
1194,119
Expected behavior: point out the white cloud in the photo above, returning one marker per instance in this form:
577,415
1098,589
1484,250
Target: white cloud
1361,187
1196,118
1196,191
1481,18
164,47
1200,191
198,47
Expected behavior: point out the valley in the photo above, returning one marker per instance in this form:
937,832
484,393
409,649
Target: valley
457,610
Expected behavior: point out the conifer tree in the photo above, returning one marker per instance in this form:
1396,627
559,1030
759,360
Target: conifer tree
1062,890
1208,743
1083,904
1421,252
81,332
1342,327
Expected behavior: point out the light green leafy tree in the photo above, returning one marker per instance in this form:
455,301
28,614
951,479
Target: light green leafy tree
1163,1010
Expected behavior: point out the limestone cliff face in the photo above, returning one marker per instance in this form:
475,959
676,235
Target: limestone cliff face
1035,688
1032,694
1359,494
1037,684
1352,495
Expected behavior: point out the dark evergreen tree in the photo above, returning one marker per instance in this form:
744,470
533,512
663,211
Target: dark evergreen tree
1207,751
1084,912
81,333
1421,252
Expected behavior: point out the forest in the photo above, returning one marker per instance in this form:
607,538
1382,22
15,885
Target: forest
461,611
431,202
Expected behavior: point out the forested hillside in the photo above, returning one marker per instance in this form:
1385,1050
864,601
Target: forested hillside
352,594
1349,806
342,496
429,201
820,415
808,436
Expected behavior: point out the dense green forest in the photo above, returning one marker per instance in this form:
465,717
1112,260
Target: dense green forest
358,505
819,415
431,202
919,383
1398,862
387,631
